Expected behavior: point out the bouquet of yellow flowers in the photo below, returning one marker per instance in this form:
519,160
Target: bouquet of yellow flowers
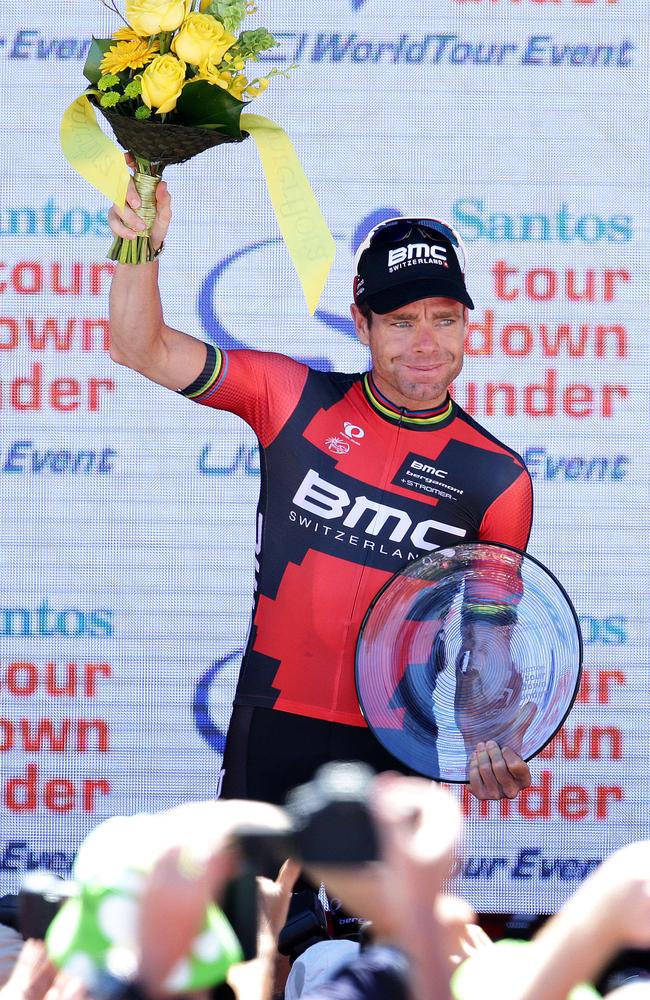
181,71
171,82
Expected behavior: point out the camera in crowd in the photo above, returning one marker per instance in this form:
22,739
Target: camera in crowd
329,823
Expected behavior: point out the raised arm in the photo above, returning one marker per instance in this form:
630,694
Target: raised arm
140,338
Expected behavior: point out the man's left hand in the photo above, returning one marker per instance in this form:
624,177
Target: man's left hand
496,773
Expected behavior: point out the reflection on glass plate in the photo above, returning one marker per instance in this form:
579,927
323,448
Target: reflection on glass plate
472,643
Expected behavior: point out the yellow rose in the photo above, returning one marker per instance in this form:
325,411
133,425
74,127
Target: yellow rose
162,82
201,38
150,17
221,47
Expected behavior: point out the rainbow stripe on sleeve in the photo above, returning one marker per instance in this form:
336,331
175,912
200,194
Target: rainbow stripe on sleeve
210,379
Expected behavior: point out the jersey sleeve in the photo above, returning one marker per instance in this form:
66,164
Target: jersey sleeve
507,521
509,518
261,387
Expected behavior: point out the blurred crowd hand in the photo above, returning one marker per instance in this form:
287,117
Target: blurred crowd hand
195,858
172,909
273,901
418,824
66,987
619,894
125,221
254,980
34,977
11,943
608,913
462,936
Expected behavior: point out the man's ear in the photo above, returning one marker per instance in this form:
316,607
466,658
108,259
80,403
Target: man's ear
360,325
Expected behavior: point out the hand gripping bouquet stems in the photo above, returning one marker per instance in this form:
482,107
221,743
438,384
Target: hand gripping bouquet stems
173,81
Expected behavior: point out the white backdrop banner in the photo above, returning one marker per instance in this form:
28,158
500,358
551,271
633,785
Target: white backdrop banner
127,513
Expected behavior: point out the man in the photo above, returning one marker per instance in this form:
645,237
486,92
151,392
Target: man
340,508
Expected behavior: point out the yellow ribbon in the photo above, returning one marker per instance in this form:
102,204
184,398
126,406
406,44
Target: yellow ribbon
305,232
91,153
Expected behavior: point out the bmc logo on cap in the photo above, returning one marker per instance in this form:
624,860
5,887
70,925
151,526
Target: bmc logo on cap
417,250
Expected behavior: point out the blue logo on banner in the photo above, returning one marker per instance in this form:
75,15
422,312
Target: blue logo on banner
245,460
530,864
45,621
448,49
26,457
544,464
609,631
20,856
208,729
215,328
49,218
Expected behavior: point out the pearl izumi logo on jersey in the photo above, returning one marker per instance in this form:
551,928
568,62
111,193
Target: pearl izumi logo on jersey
351,434
416,253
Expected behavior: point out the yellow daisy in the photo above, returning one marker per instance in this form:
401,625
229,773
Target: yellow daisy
126,34
133,54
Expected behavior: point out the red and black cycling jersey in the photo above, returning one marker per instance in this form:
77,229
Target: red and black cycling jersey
352,489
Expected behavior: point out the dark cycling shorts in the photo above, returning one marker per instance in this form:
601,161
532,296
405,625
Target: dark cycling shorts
270,752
